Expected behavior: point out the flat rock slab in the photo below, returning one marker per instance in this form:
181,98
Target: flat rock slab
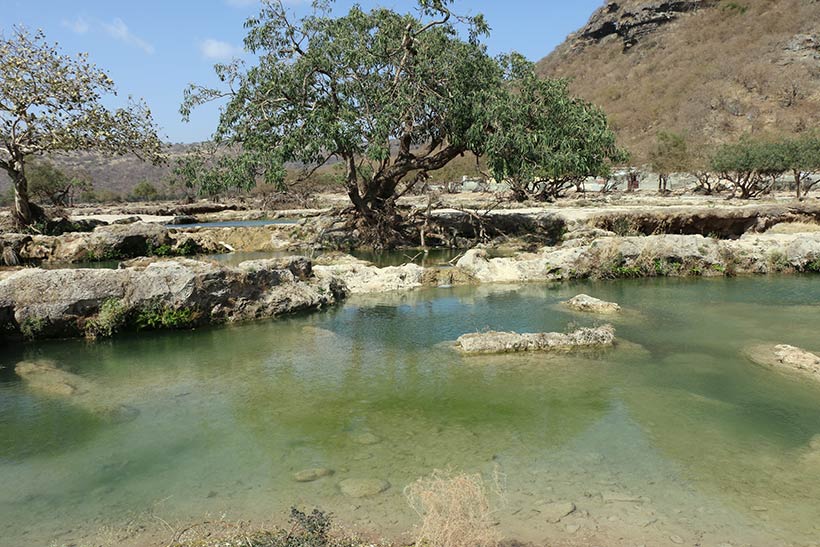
363,488
589,304
785,357
511,342
310,475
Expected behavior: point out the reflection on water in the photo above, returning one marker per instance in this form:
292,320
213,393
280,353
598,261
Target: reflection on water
671,434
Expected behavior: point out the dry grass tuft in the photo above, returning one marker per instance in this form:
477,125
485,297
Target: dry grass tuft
455,510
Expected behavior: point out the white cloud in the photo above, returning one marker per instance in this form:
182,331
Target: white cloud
119,30
78,25
218,50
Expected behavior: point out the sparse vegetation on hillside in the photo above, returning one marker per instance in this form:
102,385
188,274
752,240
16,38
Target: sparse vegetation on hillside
713,74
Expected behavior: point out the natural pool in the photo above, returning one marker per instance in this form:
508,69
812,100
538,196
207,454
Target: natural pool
675,435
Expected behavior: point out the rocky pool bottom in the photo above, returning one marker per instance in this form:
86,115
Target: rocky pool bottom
672,437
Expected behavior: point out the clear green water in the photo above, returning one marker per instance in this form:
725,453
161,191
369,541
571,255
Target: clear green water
701,443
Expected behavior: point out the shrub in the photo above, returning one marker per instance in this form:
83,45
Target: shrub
32,327
144,191
454,509
161,316
750,166
111,318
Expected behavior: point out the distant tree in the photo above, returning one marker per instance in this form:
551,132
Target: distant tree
802,159
51,103
48,184
145,191
669,156
544,141
750,166
389,96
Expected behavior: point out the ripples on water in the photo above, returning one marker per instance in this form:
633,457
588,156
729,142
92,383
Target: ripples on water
673,433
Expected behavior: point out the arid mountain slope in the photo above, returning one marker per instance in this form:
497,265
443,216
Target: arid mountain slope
709,69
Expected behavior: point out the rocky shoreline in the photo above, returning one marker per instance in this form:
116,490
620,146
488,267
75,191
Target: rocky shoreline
158,286
166,294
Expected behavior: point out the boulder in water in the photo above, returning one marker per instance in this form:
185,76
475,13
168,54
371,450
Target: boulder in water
511,342
363,488
310,475
586,303
786,357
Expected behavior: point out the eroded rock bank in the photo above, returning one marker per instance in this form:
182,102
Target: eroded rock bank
178,293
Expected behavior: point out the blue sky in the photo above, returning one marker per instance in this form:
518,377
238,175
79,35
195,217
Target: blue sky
155,48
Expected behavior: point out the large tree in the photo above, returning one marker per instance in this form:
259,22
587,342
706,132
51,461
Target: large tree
389,96
52,103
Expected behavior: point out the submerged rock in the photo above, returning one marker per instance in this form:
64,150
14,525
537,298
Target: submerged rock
310,475
786,357
366,439
586,303
363,488
511,342
554,512
45,377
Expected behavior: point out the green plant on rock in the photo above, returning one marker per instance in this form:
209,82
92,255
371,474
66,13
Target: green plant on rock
111,318
813,266
159,316
32,327
777,261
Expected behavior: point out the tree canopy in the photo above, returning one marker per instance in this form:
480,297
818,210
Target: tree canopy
52,103
390,97
542,140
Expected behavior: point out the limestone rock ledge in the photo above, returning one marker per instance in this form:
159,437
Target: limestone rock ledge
177,293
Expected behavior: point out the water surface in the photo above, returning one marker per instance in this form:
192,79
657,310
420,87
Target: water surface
674,433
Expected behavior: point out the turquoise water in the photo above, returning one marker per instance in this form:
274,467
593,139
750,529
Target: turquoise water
674,433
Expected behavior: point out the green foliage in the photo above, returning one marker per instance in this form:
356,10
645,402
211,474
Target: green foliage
392,97
813,266
544,141
51,102
32,327
111,318
47,183
159,316
752,166
145,191
670,155
749,165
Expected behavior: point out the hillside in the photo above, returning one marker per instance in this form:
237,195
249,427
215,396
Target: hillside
711,70
114,174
